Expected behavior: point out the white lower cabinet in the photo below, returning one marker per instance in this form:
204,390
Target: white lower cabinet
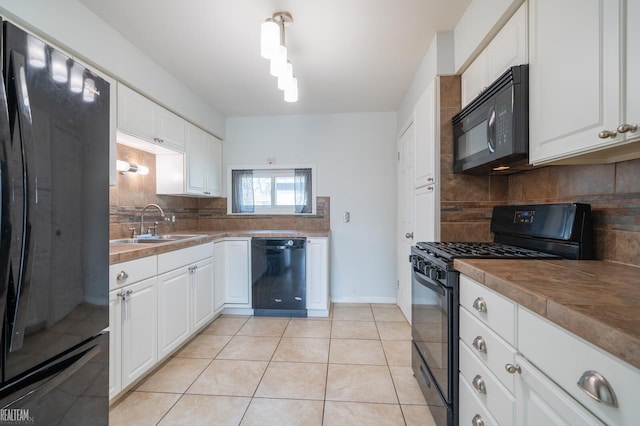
237,269
202,293
185,295
539,401
317,271
138,328
173,310
219,295
535,380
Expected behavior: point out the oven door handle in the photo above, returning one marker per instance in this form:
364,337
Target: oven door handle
425,281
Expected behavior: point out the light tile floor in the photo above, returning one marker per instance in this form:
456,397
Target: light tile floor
353,368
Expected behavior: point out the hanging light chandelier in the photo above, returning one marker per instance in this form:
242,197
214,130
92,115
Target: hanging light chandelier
272,47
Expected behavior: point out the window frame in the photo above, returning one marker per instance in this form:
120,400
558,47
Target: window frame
276,170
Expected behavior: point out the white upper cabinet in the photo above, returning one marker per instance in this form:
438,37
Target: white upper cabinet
577,80
508,48
197,172
142,118
632,116
203,162
426,152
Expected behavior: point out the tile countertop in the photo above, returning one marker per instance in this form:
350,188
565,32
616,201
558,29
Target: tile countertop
123,251
598,301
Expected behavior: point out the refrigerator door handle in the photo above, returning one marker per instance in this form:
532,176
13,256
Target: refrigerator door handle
5,202
17,76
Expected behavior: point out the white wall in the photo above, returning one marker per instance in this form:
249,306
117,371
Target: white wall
355,157
438,60
76,29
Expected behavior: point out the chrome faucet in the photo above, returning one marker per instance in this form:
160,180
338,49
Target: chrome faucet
142,217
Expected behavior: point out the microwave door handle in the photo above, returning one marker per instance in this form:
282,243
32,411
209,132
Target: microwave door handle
18,78
491,129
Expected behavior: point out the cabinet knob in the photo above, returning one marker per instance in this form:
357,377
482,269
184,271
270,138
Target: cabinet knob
478,385
408,235
477,420
597,387
513,368
122,275
430,179
480,305
480,344
606,134
624,128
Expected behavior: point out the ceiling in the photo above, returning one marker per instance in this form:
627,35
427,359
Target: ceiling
348,55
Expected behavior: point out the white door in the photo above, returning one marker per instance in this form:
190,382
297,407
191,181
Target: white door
219,275
406,153
115,352
237,281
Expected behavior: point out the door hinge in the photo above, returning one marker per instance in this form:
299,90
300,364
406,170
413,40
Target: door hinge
398,155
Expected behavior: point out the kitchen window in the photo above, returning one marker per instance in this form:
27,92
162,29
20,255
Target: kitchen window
272,190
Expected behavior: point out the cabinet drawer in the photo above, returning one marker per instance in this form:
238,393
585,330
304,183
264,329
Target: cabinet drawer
132,271
179,258
565,357
487,346
471,407
491,308
498,400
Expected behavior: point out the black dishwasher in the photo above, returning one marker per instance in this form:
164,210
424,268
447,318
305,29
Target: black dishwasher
278,274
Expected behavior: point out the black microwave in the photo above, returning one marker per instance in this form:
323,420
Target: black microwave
491,133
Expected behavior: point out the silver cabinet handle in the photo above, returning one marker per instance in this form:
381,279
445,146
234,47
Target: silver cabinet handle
207,192
122,275
606,134
597,387
513,369
408,235
430,179
624,128
480,305
477,420
480,344
478,384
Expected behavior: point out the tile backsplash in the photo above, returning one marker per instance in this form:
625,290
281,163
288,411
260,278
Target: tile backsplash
132,192
613,190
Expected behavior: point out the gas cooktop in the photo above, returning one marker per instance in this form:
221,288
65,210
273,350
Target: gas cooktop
488,250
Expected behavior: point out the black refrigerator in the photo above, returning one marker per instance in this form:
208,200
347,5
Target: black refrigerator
54,174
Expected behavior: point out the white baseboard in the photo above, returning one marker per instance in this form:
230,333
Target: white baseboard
365,299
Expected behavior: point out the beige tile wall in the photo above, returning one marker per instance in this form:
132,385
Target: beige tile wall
132,192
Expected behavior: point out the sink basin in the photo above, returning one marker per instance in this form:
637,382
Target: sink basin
155,239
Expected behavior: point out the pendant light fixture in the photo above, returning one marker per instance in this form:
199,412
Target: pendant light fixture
272,47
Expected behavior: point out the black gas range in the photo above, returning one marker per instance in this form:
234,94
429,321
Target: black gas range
541,231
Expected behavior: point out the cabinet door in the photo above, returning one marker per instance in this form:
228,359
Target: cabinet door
426,214
218,272
139,329
136,114
214,166
115,339
237,280
508,47
169,129
202,294
424,119
574,76
474,80
173,310
633,67
539,401
318,274
196,160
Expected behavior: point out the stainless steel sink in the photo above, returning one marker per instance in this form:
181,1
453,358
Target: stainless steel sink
154,239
